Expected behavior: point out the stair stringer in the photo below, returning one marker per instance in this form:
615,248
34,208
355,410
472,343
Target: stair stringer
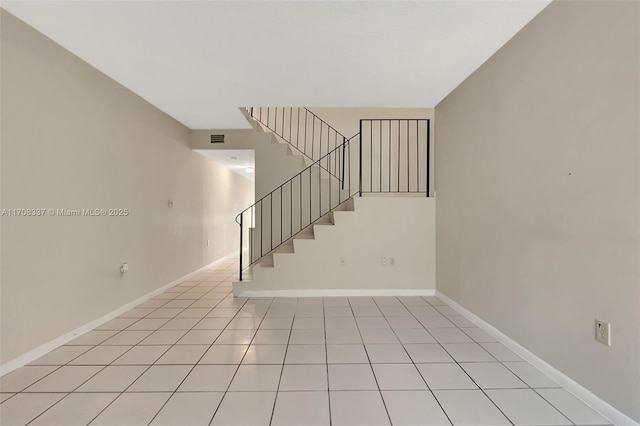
378,227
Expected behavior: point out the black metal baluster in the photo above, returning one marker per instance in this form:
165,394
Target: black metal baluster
389,170
261,228
408,157
428,154
240,274
380,155
360,168
418,154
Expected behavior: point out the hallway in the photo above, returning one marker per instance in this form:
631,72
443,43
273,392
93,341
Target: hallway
194,355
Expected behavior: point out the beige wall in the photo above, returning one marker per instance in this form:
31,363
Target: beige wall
73,138
538,213
398,227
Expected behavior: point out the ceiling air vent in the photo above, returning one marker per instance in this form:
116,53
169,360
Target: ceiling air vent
217,138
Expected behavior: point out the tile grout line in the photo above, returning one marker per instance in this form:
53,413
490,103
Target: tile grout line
412,361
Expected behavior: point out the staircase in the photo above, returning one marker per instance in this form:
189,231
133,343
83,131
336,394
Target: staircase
387,156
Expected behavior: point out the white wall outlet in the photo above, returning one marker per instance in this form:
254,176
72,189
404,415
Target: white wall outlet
124,268
208,243
384,261
343,261
392,261
170,204
603,332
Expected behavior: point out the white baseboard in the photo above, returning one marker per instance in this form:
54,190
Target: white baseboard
583,394
336,293
41,350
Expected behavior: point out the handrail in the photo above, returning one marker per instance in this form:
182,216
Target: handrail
393,156
294,129
296,204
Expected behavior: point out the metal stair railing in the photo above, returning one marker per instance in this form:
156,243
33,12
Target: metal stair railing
295,205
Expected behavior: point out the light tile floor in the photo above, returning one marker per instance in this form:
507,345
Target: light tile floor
195,355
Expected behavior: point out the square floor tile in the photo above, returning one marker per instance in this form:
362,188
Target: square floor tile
256,378
23,408
244,324
403,322
412,408
492,375
359,408
113,379
164,337
219,312
5,396
306,354
308,323
478,335
470,408
180,324
449,335
414,335
19,379
188,408
500,352
459,320
265,354
337,311
301,408
343,323
161,378
343,336
76,409
235,337
395,311
148,324
372,322
378,335
304,378
211,324
351,377
141,355
166,312
361,301
61,355
132,409
387,353
183,354
398,377
574,409
100,355
525,407
366,311
199,337
427,352
446,376
224,354
467,352
276,323
271,337
208,378
336,301
307,337
127,337
234,409
347,354
435,321
530,375
194,313
64,379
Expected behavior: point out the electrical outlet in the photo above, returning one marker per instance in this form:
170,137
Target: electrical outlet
383,261
603,332
343,261
392,261
208,243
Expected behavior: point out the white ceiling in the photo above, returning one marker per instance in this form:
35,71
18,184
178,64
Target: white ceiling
200,60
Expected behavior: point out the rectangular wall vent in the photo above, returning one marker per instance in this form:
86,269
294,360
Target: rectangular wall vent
217,138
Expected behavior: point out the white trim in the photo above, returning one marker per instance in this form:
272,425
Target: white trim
41,350
337,293
583,394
